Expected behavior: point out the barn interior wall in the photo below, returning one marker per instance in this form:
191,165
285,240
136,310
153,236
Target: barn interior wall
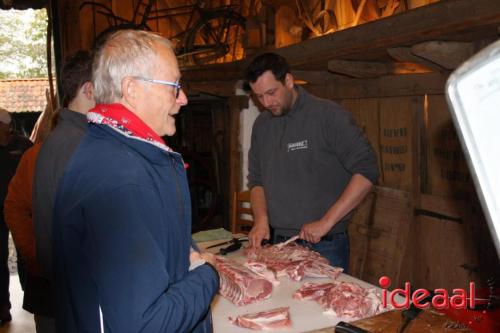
409,126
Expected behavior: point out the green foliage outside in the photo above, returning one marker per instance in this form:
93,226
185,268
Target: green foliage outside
23,38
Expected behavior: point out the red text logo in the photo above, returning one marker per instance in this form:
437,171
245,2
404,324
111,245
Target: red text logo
422,298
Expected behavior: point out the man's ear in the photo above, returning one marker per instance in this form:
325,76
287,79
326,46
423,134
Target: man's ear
88,90
129,91
289,80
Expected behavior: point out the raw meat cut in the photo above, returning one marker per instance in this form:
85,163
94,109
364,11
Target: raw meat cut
271,319
239,284
343,299
261,269
293,260
312,291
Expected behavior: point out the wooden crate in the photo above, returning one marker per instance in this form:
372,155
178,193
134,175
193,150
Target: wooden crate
378,235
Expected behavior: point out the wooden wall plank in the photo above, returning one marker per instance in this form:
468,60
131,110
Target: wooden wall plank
123,9
448,173
397,129
68,23
86,27
444,248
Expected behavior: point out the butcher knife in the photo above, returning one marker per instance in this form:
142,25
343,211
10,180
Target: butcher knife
343,327
232,241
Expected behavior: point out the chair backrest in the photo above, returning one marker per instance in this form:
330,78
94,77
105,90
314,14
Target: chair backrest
242,217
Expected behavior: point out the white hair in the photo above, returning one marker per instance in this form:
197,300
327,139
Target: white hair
124,53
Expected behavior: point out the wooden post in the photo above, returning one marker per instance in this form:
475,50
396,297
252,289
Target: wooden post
235,104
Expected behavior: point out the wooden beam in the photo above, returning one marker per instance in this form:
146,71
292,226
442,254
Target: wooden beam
363,69
449,55
404,54
440,20
315,77
458,20
385,86
214,72
217,88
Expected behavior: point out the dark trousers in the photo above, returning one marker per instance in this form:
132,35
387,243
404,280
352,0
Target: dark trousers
4,265
334,247
22,269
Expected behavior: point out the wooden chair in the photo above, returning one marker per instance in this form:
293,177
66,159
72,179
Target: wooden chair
242,217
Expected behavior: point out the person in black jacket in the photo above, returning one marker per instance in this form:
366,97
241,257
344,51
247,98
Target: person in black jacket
57,149
12,147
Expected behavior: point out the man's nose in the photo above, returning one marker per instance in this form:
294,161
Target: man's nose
266,100
182,99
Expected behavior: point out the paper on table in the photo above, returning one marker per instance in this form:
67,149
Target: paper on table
213,234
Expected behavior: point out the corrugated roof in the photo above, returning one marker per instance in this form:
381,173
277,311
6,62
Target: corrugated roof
23,95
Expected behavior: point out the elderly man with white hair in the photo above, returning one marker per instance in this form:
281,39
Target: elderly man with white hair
123,256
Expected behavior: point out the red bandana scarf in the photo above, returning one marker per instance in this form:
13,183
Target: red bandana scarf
126,122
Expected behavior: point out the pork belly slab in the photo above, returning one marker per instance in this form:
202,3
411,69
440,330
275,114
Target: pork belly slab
273,319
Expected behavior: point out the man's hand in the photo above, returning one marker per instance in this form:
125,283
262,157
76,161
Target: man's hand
195,256
209,257
312,232
258,233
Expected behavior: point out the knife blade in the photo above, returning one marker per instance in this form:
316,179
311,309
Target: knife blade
285,243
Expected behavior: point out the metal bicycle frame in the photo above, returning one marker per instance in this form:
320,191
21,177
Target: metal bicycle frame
146,16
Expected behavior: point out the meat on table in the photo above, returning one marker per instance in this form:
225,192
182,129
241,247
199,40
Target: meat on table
264,320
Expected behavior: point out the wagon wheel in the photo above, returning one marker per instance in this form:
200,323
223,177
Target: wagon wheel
217,39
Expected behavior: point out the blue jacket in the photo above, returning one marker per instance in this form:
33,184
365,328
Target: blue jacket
122,235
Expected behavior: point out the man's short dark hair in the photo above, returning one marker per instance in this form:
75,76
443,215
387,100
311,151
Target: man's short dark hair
77,70
263,63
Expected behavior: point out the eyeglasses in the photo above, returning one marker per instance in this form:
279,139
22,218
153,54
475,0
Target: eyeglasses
177,85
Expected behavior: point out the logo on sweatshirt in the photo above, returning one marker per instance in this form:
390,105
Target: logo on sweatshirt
297,145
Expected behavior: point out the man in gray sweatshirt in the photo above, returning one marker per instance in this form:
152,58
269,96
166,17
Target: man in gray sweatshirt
309,164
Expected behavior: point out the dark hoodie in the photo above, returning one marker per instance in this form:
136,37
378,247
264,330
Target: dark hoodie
305,159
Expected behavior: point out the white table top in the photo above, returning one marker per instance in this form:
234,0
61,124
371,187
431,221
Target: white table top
305,315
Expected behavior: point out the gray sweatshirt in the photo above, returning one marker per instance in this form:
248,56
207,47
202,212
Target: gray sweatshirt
304,160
